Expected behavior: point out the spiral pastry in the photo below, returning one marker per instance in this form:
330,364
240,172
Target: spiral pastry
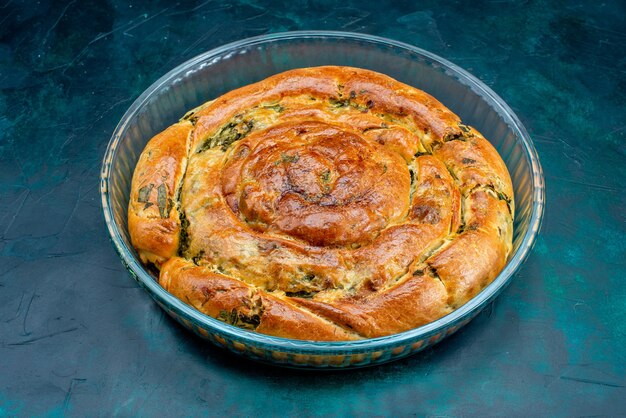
328,203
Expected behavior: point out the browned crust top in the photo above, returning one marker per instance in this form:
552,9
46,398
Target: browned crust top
327,203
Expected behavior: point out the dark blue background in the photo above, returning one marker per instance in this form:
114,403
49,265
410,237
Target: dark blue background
78,336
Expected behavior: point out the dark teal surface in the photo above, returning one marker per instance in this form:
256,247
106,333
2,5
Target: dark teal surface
79,337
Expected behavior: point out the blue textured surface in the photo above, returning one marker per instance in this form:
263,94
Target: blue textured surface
78,336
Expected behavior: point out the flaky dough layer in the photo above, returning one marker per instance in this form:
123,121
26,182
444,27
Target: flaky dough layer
327,203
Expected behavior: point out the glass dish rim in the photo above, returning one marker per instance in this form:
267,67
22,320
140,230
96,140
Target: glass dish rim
324,347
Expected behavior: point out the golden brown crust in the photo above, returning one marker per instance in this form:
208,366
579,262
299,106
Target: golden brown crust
416,301
243,305
323,203
153,222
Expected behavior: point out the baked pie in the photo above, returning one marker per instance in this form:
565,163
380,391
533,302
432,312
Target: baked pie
327,203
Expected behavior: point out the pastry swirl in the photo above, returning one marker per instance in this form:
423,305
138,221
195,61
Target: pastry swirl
327,203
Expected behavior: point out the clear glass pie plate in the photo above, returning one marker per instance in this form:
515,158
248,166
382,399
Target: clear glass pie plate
223,69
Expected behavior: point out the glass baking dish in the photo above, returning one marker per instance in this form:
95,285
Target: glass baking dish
231,66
